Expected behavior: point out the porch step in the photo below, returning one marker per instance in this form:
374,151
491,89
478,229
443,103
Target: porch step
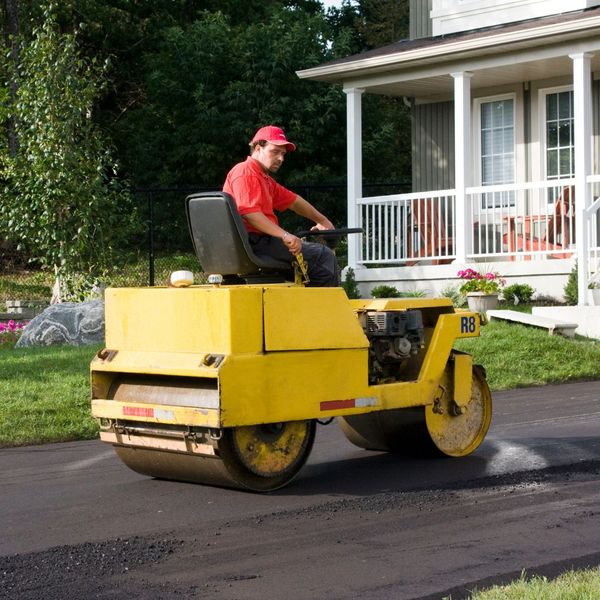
553,326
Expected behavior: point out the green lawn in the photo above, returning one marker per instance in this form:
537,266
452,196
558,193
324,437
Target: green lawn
44,395
572,585
37,285
520,356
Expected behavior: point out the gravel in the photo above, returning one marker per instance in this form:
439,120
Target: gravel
81,571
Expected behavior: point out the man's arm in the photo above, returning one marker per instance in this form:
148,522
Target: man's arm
259,221
305,209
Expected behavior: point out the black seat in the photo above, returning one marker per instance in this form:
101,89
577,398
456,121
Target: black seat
221,241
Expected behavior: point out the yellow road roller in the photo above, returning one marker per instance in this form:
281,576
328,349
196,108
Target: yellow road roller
224,383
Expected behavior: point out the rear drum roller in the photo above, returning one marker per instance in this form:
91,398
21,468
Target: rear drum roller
261,458
439,427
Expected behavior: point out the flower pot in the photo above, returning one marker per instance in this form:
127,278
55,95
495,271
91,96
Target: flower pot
481,302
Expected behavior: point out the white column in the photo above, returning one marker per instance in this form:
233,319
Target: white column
582,110
462,163
354,154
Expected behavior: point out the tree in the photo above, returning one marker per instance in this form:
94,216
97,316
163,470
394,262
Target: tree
61,200
209,84
11,39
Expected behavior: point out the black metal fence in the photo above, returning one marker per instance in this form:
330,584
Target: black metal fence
168,242
162,243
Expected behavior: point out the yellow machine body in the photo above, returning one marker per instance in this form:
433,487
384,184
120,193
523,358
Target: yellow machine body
183,365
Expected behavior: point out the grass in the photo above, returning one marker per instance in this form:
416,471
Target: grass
37,285
25,285
44,395
520,356
572,585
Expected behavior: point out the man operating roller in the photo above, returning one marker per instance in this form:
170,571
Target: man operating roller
258,196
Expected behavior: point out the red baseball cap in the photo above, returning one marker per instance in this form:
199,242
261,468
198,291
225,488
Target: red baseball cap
273,135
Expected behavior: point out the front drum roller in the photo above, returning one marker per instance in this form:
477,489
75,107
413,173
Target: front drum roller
261,458
438,426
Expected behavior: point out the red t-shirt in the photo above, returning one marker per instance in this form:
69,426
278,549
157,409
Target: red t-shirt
255,191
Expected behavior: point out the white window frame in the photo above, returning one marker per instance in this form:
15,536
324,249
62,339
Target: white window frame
518,135
542,94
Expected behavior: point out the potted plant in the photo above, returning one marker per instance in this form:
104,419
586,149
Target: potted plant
481,289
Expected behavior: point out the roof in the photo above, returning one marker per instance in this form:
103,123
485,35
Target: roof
488,41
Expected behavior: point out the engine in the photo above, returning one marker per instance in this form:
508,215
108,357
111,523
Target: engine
393,336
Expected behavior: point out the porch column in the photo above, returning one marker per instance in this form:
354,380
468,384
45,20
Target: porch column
582,110
462,163
354,161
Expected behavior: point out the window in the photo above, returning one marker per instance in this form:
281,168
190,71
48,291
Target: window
560,150
498,150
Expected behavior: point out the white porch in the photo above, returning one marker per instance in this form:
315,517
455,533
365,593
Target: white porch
409,239
532,225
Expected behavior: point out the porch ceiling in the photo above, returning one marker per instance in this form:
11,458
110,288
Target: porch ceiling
442,85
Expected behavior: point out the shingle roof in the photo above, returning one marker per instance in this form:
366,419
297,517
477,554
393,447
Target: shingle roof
482,33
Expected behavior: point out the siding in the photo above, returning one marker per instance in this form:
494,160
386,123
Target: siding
433,146
420,21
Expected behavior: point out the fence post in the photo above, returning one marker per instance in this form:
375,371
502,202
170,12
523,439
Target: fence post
151,239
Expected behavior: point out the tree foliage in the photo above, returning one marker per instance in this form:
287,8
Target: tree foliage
60,199
189,82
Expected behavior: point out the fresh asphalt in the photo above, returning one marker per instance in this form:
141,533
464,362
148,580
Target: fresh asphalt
76,523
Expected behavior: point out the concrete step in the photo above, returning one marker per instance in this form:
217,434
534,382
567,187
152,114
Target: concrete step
553,326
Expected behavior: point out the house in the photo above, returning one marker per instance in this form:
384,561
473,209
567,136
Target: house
505,99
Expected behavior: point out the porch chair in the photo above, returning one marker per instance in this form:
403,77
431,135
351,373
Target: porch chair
221,242
429,229
557,233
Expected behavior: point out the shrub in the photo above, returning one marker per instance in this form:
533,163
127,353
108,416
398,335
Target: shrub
452,292
388,291
518,293
570,289
349,284
385,291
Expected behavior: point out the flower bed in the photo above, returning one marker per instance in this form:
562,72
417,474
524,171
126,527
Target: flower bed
11,331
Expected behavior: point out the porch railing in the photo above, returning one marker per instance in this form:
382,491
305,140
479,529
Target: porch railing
593,274
525,221
408,228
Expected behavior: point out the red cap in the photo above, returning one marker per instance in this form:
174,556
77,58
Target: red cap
273,135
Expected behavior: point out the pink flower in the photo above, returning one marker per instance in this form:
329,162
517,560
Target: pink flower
488,282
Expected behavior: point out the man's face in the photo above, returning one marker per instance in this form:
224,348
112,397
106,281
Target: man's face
270,156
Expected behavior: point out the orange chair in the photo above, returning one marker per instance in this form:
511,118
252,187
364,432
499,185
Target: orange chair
428,227
557,233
